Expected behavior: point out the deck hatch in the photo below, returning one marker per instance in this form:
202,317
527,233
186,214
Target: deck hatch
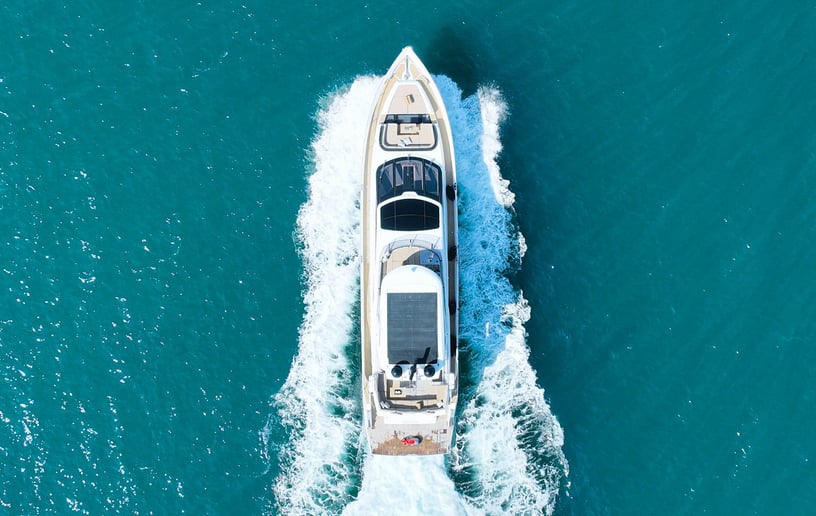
412,328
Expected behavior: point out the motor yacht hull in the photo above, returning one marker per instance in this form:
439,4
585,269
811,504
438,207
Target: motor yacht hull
409,271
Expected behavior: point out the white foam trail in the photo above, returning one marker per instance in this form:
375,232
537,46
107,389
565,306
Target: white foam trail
318,403
508,455
494,110
407,485
510,443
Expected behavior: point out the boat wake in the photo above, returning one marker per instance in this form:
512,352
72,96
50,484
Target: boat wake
507,457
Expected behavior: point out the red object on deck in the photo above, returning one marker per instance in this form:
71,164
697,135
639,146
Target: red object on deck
411,440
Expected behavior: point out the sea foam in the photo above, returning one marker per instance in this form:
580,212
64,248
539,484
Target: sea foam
318,405
508,457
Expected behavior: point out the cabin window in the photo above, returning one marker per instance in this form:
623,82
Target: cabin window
408,175
431,182
409,215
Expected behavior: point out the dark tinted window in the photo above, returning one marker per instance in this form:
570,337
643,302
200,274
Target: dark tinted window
408,175
431,182
409,215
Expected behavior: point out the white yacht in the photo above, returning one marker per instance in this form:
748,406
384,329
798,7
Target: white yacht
409,277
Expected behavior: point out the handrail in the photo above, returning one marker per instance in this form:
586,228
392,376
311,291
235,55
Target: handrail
415,241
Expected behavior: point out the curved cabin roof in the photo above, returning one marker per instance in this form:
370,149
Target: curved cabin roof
410,315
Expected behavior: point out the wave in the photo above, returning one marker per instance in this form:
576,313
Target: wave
318,404
507,456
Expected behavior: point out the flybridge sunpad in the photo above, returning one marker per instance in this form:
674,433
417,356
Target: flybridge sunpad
412,328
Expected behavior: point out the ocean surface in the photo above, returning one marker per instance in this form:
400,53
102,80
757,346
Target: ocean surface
179,253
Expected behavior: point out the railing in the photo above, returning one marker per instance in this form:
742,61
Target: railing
412,242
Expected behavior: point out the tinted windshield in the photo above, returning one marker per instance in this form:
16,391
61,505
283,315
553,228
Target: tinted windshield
408,175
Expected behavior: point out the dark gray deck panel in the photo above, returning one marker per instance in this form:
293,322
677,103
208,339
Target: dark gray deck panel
412,324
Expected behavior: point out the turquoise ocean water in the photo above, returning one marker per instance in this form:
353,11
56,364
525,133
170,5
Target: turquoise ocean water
178,254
